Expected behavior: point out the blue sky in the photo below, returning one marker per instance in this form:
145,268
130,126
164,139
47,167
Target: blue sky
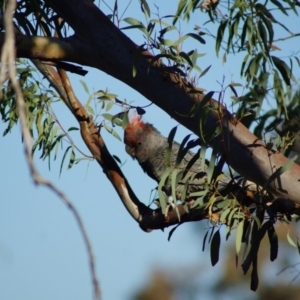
42,254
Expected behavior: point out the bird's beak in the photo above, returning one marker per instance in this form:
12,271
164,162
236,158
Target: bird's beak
130,150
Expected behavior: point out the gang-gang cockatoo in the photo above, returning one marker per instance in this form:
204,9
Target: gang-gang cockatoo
149,147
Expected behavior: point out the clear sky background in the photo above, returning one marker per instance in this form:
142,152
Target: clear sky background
42,254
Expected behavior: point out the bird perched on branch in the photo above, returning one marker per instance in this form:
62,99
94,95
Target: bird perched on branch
149,147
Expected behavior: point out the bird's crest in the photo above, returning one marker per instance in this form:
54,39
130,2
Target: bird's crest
135,123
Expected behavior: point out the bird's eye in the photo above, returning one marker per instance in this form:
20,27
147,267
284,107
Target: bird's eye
139,143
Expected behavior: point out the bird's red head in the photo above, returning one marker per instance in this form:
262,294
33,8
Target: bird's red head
134,130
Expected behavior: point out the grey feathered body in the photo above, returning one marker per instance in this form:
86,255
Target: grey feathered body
150,151
196,176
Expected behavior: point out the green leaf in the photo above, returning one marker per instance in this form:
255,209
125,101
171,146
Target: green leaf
263,35
73,128
249,30
172,231
204,240
297,60
235,25
283,69
225,214
125,120
177,43
246,232
273,239
194,57
160,22
196,37
224,58
182,150
145,8
112,132
254,65
170,142
257,236
280,171
211,165
117,159
118,119
175,178
215,247
280,6
135,24
191,163
290,240
72,159
57,142
204,71
238,239
107,116
165,30
202,156
183,194
63,159
150,28
244,64
220,35
254,275
233,90
180,8
199,109
84,86
269,27
211,234
186,57
244,32
136,59
109,105
161,195
90,110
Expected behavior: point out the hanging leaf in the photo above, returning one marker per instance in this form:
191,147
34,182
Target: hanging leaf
273,239
204,240
238,239
170,142
283,69
215,248
254,276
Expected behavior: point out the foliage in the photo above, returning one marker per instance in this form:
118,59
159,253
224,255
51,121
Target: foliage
253,28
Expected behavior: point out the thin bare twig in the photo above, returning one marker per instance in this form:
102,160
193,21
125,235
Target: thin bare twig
8,63
70,140
286,38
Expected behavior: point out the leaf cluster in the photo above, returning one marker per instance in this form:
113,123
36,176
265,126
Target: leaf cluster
169,51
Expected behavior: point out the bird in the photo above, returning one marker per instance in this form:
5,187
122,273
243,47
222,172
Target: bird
149,147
